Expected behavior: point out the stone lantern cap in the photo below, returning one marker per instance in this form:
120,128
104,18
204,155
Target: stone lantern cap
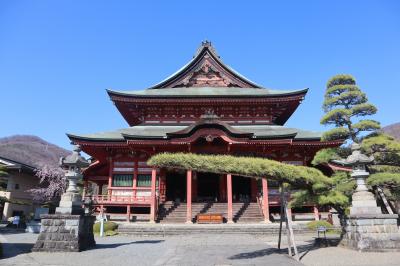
74,160
356,157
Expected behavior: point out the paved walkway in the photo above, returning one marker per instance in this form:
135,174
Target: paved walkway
174,250
190,250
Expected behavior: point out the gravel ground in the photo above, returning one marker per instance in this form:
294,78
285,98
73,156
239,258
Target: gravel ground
190,250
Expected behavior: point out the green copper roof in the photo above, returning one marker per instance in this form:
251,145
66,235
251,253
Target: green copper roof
167,87
207,91
160,132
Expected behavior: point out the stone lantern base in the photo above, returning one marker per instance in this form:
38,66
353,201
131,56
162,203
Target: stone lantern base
65,233
372,232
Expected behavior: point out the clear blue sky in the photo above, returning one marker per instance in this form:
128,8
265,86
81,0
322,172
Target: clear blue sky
58,57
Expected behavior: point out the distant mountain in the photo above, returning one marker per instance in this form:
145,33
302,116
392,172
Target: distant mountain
393,130
31,150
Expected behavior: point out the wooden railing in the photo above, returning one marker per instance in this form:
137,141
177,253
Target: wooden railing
124,196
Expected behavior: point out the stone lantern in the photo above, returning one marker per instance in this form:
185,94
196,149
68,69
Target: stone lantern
70,228
363,201
367,228
71,200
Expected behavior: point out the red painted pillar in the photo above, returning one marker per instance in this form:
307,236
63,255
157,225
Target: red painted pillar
153,196
290,213
189,196
229,190
110,178
128,213
265,203
316,213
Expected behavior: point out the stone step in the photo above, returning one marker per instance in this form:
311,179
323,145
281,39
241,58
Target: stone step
165,229
170,212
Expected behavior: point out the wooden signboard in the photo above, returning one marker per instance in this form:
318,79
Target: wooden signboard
210,218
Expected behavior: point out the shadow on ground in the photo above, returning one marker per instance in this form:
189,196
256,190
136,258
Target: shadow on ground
256,254
14,249
302,249
115,245
317,244
11,231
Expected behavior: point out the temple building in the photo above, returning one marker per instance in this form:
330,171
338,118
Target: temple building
206,107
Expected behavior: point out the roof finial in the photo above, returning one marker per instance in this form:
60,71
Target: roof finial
206,44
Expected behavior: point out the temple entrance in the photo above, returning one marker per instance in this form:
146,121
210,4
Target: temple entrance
176,186
241,189
208,187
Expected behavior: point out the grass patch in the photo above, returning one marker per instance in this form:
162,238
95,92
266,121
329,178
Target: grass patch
109,228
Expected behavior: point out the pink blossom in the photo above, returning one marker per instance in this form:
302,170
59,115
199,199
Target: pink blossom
52,184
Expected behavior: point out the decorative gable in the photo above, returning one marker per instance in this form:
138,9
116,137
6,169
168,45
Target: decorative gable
206,74
206,70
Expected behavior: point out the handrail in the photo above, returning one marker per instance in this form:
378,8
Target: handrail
384,200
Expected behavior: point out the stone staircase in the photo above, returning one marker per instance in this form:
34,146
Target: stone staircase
171,212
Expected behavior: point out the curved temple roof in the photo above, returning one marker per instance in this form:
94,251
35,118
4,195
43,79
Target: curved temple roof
205,75
166,132
208,92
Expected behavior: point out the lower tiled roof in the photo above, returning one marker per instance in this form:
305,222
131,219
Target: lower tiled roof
160,132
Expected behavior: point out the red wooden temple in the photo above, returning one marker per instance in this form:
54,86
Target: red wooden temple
205,107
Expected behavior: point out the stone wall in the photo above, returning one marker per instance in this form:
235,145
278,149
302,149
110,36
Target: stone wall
377,232
63,232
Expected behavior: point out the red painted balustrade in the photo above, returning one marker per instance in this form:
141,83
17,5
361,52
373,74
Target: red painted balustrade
123,196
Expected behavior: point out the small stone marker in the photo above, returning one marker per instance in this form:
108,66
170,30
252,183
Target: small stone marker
321,229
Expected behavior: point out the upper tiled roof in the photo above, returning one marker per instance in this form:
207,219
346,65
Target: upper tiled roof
205,75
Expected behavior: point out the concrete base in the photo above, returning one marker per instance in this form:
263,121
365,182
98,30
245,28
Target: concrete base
373,232
65,233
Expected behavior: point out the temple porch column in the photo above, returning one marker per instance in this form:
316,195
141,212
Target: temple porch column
128,213
316,213
110,171
153,196
265,202
229,192
189,196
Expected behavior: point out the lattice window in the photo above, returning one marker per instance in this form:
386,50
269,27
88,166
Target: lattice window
145,181
121,180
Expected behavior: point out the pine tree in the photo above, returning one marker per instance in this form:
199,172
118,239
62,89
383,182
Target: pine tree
386,169
344,103
344,106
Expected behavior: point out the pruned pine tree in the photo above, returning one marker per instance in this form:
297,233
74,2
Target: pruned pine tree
385,172
344,105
